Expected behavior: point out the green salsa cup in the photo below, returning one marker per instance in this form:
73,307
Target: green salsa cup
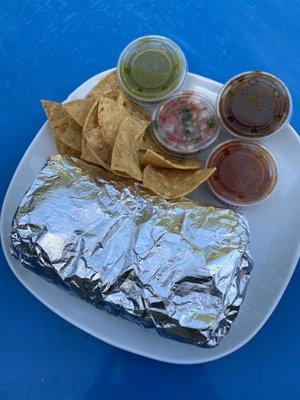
151,68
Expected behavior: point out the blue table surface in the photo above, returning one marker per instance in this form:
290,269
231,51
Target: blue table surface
48,48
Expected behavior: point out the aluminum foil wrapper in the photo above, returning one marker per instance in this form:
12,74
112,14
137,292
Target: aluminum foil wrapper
177,266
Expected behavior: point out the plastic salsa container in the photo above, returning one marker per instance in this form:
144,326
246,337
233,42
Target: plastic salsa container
185,124
246,173
151,68
254,105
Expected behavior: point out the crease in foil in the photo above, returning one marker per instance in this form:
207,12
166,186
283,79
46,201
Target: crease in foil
177,266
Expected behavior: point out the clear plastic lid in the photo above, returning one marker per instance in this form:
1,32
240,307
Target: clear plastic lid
185,124
151,68
254,105
246,173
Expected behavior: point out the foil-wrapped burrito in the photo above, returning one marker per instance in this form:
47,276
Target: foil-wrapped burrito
177,266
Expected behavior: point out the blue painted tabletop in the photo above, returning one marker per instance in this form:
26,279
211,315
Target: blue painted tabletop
48,48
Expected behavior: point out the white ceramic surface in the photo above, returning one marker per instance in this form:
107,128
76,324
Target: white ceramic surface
275,246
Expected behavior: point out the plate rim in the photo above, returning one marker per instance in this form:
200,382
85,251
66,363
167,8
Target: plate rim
78,324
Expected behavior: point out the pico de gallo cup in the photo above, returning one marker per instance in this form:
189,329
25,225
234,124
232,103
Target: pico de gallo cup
185,124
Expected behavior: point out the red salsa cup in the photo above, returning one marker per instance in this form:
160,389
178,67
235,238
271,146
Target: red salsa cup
254,105
246,173
185,124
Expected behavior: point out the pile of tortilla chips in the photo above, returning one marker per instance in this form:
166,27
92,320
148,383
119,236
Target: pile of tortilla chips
109,130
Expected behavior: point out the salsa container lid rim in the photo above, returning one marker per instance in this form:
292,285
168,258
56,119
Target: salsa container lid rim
202,98
249,203
262,73
164,40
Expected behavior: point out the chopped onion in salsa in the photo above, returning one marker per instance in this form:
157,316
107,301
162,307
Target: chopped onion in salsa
185,124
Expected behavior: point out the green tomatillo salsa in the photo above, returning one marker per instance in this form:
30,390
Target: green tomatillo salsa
151,68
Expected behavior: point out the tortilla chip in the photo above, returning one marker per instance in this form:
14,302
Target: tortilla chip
65,149
110,117
167,161
148,143
107,86
125,155
91,120
89,155
78,109
120,173
96,171
172,184
59,121
57,117
141,155
72,136
95,139
134,109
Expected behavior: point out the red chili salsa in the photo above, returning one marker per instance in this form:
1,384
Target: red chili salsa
246,172
254,105
185,124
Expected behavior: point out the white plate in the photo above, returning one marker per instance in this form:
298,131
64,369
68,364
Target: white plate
275,237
